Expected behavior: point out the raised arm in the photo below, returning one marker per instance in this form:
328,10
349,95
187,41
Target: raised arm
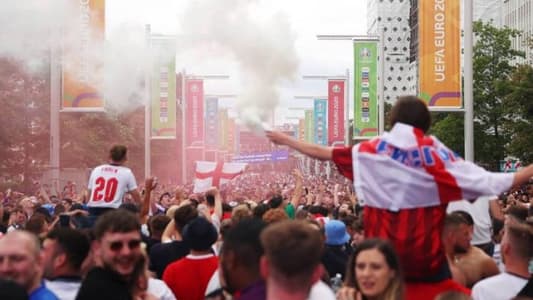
147,203
312,150
298,188
523,176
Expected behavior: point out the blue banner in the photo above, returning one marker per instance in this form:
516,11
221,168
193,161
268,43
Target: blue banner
320,126
277,155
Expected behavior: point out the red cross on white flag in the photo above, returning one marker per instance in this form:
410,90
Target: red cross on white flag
209,174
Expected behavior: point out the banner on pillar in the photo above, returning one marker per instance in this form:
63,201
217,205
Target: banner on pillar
320,126
223,131
301,130
231,135
365,89
440,53
309,124
211,123
335,111
163,91
194,117
83,64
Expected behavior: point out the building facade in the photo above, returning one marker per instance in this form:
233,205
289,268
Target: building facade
518,14
390,19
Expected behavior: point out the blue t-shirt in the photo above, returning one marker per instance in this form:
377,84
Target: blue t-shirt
42,293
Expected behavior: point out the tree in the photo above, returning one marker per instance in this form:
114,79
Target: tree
24,126
448,127
492,63
87,137
519,109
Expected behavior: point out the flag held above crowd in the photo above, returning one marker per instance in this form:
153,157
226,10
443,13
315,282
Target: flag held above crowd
209,174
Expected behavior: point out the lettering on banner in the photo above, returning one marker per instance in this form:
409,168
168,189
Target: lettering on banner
85,39
439,35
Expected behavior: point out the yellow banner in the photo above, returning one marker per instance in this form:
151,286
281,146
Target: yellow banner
440,52
83,59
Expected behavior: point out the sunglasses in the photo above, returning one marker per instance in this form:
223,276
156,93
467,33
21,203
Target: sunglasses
117,246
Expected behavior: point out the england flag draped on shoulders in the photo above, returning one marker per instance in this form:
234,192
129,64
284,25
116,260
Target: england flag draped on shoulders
405,180
214,174
410,170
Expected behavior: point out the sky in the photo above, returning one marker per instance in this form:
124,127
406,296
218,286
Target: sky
305,19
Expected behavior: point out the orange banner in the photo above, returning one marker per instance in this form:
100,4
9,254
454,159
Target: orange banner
440,52
83,59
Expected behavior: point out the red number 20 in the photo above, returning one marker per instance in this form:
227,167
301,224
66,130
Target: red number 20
105,189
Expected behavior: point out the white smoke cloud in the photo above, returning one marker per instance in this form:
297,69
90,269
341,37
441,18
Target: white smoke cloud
262,46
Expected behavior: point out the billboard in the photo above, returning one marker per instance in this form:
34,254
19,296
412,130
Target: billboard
439,70
82,65
320,126
365,89
277,155
335,111
194,117
163,91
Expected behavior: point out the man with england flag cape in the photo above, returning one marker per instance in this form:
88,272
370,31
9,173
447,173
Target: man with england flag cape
405,181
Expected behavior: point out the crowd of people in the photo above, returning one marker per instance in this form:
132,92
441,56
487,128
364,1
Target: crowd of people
403,218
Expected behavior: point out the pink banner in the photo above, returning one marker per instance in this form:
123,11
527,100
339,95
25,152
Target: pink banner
335,111
194,95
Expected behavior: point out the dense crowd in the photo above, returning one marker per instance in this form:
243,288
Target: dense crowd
269,235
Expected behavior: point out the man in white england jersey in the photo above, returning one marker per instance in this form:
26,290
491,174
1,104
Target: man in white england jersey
109,182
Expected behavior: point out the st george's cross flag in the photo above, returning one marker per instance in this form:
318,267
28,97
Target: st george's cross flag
212,174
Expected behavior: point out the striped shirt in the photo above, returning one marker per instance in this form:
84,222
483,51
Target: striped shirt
405,180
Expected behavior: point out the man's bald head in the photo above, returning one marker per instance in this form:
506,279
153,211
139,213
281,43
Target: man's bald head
20,259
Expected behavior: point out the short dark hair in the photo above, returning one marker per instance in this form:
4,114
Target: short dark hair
73,242
183,215
453,220
158,223
116,220
260,210
210,199
118,153
163,195
466,216
243,240
275,201
521,238
411,110
293,249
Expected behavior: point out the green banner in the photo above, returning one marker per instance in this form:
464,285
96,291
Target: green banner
164,89
309,126
365,89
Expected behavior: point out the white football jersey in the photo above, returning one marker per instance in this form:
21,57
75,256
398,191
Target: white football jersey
108,184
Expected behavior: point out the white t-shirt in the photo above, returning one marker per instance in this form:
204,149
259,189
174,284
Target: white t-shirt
321,291
160,289
503,286
64,290
479,210
108,184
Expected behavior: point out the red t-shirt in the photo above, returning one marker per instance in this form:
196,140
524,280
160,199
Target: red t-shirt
188,277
